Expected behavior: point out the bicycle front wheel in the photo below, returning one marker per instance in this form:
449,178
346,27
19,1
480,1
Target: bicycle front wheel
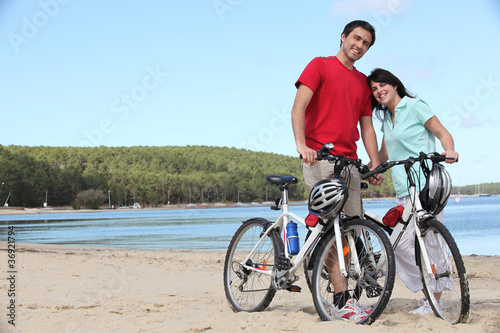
446,286
369,277
248,274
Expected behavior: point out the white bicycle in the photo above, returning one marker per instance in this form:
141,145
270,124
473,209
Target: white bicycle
436,253
345,254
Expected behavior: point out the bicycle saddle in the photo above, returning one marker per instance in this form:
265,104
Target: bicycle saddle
281,180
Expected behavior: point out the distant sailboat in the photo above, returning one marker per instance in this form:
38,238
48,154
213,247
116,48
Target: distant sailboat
479,194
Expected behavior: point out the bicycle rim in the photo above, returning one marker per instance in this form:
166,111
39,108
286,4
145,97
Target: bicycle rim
450,285
250,290
371,287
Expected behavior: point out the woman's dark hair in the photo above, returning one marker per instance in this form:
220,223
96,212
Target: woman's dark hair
358,23
384,76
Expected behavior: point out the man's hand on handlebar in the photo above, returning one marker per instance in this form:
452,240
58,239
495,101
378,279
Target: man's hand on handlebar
307,154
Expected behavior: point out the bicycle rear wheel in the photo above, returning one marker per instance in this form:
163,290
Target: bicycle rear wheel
448,292
246,289
370,287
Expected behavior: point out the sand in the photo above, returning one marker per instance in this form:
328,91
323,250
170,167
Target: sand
83,289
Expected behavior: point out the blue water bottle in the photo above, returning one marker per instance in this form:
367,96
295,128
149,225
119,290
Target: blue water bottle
292,238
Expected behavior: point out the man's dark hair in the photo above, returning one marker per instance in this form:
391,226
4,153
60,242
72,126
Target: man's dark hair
358,23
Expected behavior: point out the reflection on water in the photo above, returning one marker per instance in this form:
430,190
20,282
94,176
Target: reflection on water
473,221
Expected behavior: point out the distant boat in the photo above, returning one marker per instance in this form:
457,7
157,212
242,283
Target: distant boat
457,198
481,195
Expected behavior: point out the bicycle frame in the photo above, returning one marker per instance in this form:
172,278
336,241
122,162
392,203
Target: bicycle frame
316,233
339,255
413,206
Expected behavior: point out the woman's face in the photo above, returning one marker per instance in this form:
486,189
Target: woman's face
384,93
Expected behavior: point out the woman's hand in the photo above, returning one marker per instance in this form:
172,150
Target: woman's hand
451,154
378,181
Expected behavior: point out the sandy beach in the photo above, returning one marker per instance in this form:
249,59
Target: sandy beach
84,289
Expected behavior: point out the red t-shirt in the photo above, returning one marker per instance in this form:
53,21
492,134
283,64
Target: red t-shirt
341,97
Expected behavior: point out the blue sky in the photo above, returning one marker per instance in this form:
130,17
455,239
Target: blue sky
222,73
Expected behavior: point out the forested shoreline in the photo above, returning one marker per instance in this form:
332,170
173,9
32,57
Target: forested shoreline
153,176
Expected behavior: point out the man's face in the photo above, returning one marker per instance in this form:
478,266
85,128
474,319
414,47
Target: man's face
356,44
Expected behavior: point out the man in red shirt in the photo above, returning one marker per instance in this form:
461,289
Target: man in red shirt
332,98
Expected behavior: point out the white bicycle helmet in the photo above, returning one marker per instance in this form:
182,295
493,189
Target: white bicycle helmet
327,197
437,190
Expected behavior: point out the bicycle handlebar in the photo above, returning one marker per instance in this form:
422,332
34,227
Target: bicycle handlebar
325,155
435,157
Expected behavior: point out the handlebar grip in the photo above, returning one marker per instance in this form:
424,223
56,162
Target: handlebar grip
442,158
370,174
439,158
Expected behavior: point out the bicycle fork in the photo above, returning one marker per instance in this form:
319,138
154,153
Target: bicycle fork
431,272
340,249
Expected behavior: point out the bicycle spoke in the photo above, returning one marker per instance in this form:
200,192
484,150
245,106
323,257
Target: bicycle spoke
247,282
370,286
446,285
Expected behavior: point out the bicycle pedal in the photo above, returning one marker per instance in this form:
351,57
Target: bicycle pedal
294,289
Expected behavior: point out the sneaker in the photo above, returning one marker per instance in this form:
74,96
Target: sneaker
424,307
351,311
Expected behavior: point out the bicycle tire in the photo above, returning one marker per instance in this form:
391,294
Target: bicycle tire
452,282
372,288
248,290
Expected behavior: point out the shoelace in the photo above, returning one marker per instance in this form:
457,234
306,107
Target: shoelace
360,308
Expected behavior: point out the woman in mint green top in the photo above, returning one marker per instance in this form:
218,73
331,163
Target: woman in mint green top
407,136
409,127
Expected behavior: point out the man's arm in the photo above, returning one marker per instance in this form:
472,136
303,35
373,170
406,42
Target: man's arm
382,154
302,99
370,141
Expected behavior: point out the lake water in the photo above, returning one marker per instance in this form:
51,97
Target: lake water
474,222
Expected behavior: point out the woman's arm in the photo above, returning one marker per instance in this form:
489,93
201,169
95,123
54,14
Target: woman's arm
436,128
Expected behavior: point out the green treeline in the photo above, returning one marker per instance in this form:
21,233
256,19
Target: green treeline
488,188
154,176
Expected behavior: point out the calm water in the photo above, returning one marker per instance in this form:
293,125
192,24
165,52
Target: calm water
474,222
